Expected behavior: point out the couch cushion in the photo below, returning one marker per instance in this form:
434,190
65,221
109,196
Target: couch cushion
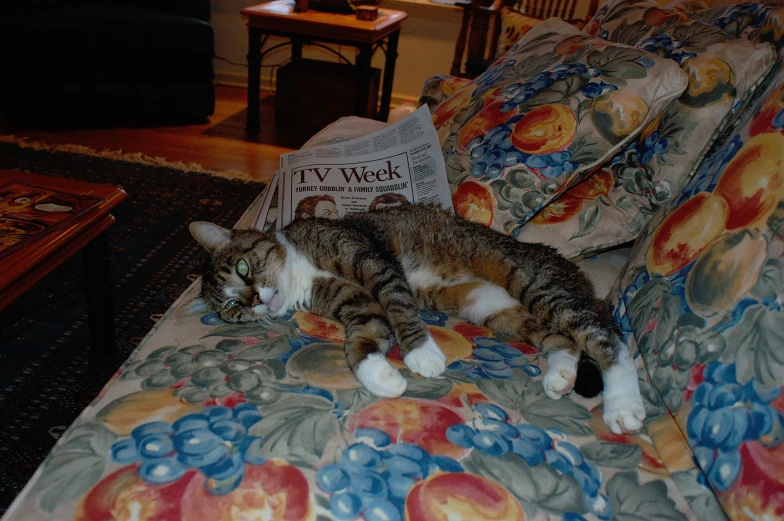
543,117
702,295
761,21
629,189
301,438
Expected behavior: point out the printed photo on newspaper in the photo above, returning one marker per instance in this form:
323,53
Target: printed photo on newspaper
397,164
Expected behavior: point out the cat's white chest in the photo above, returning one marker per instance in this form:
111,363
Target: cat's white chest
296,280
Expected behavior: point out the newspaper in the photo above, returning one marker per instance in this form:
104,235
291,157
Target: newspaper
396,164
345,129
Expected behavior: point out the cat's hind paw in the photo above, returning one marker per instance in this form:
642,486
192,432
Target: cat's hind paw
379,377
427,360
624,413
561,374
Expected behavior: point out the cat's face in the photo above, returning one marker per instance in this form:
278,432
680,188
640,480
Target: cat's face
240,283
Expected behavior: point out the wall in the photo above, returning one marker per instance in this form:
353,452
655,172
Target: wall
426,46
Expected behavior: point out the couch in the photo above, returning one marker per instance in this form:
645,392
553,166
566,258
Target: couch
106,62
208,420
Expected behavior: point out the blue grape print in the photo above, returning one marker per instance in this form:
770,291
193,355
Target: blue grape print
491,433
214,441
494,359
493,152
374,475
724,415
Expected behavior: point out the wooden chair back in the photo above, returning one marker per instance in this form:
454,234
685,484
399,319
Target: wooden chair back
481,25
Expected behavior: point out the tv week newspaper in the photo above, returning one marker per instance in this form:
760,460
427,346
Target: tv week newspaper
398,164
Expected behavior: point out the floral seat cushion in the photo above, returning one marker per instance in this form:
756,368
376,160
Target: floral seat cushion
218,421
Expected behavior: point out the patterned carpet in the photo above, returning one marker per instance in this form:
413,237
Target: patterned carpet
45,379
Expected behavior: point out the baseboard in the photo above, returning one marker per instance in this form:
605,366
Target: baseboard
231,78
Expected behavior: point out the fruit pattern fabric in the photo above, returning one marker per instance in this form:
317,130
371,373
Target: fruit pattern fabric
542,118
219,421
757,21
702,299
651,170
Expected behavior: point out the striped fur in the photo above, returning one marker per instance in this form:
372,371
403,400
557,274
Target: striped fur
372,271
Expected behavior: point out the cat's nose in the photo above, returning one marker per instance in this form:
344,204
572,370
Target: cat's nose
256,300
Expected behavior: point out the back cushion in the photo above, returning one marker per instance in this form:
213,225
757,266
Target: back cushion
543,117
651,170
702,297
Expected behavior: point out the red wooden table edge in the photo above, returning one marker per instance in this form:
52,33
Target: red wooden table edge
24,267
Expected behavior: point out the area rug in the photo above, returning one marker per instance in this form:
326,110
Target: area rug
45,378
121,155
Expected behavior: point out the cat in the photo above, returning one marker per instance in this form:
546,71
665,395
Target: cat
372,271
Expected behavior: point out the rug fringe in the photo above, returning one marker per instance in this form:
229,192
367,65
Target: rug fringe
130,157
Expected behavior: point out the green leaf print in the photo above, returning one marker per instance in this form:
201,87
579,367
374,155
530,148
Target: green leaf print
563,414
516,393
613,455
585,150
588,219
698,37
771,280
296,428
455,173
754,345
75,466
541,487
428,388
630,34
643,305
633,501
666,318
617,63
701,500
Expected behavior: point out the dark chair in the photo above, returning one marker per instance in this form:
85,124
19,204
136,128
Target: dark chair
106,61
477,41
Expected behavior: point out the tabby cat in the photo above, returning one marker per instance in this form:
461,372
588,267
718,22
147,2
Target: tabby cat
372,271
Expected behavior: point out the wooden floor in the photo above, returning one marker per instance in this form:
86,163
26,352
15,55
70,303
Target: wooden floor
221,145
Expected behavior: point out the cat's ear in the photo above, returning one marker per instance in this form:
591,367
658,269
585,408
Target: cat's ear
209,235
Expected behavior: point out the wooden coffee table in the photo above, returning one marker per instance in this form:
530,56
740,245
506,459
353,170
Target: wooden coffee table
277,18
23,268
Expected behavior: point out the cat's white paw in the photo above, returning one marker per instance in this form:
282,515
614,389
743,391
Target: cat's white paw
427,359
379,377
624,413
624,410
561,374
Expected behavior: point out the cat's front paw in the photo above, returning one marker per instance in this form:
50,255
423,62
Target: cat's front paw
427,360
379,377
624,413
561,374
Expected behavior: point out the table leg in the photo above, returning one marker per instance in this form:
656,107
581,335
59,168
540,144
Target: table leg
363,82
254,79
296,48
100,308
389,75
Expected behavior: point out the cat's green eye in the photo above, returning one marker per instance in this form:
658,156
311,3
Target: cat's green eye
230,304
242,267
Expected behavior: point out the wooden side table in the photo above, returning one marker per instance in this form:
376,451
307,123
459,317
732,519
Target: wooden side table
24,267
277,18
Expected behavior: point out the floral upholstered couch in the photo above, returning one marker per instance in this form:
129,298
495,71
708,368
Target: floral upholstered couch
574,138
